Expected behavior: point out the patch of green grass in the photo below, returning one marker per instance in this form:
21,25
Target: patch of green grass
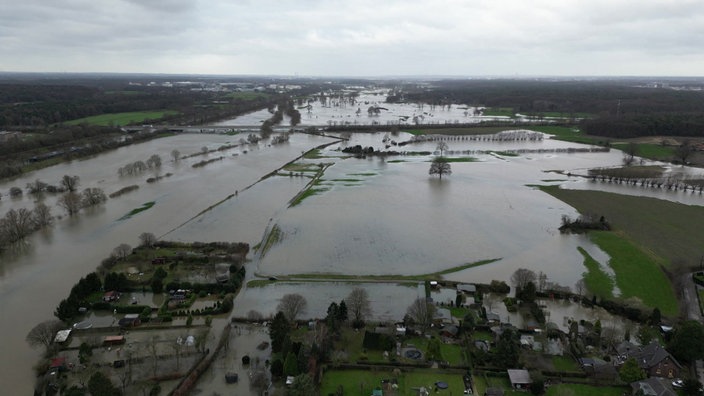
701,299
260,283
596,280
630,172
298,167
568,134
346,180
637,273
465,266
558,114
135,211
313,154
505,153
362,382
499,112
460,159
121,119
649,150
564,363
423,277
364,174
275,235
586,390
309,192
395,161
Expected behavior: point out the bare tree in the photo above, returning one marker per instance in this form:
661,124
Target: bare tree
147,239
440,167
93,196
70,183
41,215
122,251
441,147
292,305
629,154
43,334
176,155
542,281
521,277
421,311
154,161
71,202
18,224
684,151
36,187
358,304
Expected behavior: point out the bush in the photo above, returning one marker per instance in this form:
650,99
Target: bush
499,287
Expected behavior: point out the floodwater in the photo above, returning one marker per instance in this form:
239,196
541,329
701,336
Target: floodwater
343,112
376,217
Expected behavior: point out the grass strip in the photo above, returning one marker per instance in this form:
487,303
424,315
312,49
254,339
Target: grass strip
135,211
596,280
393,278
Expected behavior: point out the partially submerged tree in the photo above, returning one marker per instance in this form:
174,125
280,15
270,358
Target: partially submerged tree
71,202
441,147
440,167
521,277
70,183
292,305
43,334
421,312
93,196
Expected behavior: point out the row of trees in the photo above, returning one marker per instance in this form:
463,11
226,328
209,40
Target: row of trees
137,167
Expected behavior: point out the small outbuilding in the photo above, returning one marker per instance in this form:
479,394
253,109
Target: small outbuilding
520,379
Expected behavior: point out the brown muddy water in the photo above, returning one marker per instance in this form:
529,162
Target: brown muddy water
374,217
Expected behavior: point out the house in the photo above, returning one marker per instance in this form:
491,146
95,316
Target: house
450,331
466,288
655,360
652,387
130,320
492,318
58,363
111,296
520,379
443,316
62,336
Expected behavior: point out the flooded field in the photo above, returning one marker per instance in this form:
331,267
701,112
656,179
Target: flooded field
372,216
334,111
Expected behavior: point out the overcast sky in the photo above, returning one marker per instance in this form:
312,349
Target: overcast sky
355,37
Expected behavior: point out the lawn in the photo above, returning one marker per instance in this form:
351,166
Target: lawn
564,363
568,134
362,382
121,119
451,353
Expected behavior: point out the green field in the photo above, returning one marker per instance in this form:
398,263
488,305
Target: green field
122,119
649,150
649,233
637,273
